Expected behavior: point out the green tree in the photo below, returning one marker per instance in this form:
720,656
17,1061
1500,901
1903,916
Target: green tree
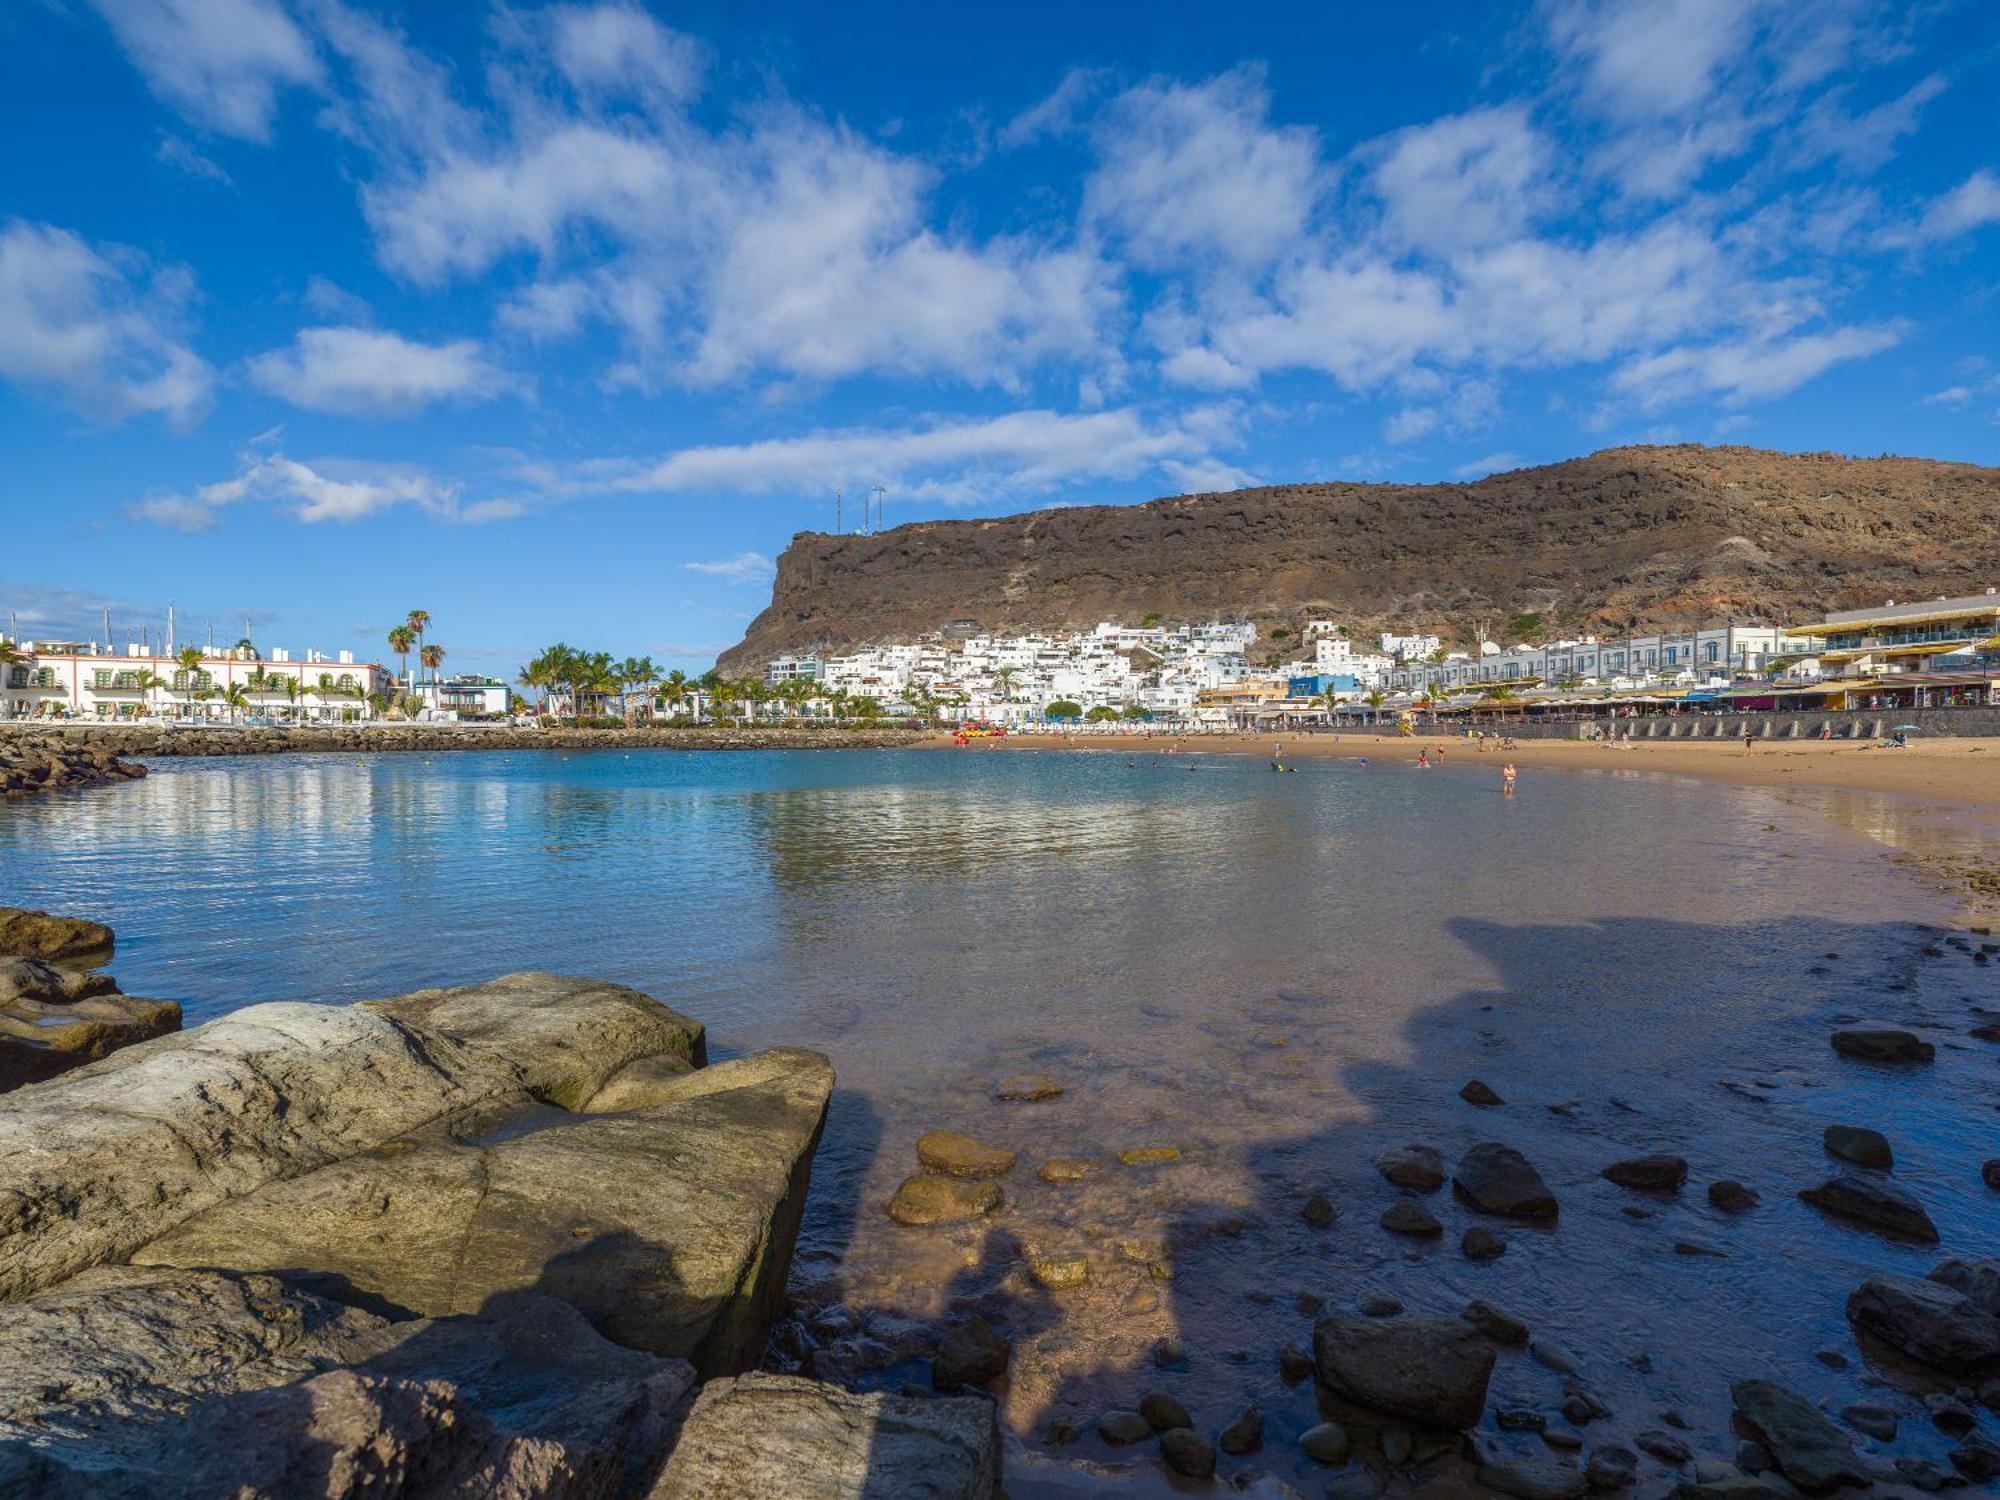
189,659
401,639
418,622
235,698
1063,708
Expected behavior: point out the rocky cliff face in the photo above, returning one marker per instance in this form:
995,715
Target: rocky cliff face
1630,537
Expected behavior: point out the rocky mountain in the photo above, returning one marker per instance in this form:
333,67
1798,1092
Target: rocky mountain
1626,538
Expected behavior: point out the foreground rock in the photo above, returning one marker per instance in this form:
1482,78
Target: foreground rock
924,1200
1883,1045
1874,1203
668,1227
1499,1179
1809,1450
955,1155
1432,1371
1649,1174
1418,1168
1860,1145
53,1021
141,1385
777,1437
1926,1320
37,934
50,762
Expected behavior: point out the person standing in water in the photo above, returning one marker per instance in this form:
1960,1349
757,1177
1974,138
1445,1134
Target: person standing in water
1424,760
1507,780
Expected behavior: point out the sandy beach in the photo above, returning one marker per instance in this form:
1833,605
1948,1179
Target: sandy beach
1962,771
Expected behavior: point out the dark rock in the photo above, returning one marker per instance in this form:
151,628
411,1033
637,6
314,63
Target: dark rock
1883,1045
1808,1449
1989,1173
1427,1370
1534,1479
1664,1446
1875,1203
955,1155
1163,1412
971,1354
1696,1247
1408,1217
1245,1434
1418,1168
1653,1174
1492,1323
764,1434
1922,1474
1731,1197
1188,1453
1396,1446
1554,1357
1481,1243
1327,1443
1931,1323
1977,1458
1377,1305
1499,1180
1294,1364
1979,1280
1478,1093
1519,1419
1949,1415
1168,1353
1358,1482
1318,1212
37,934
1870,1420
1122,1428
1860,1145
1611,1468
925,1200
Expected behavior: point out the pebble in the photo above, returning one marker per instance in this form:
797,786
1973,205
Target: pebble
1858,1144
1664,1446
1327,1443
1611,1468
1027,1088
1163,1412
1554,1357
1169,1355
1565,1442
1062,1169
1731,1197
1188,1453
1143,1300
1148,1156
1318,1211
1245,1434
1060,1273
1481,1243
1120,1428
1309,1303
1496,1325
971,1354
1409,1217
943,1200
1418,1168
1874,1421
1377,1305
1833,1359
956,1155
1519,1419
1293,1364
1478,1093
1062,1430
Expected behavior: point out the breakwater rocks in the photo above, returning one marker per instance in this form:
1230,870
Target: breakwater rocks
111,741
487,1241
56,1015
47,762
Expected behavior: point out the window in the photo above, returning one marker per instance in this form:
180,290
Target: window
1714,650
100,679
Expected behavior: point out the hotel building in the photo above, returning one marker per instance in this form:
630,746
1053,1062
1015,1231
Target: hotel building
87,680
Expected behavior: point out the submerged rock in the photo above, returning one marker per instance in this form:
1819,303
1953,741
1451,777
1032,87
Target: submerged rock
1163,1411
1927,1321
1432,1371
1611,1468
1418,1168
1492,1323
1149,1156
1027,1088
1318,1212
779,1435
1499,1179
1245,1434
1406,1216
1875,1203
1123,1428
1481,1243
1653,1174
1325,1444
1860,1145
1883,1044
1478,1093
1534,1478
1977,1279
1808,1449
924,1200
955,1155
1064,1169
971,1354
1188,1453
1731,1197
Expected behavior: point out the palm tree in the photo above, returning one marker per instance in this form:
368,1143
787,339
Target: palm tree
418,622
301,689
432,657
189,658
401,638
674,690
635,674
236,698
289,686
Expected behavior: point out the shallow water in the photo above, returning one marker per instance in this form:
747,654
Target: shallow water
1279,975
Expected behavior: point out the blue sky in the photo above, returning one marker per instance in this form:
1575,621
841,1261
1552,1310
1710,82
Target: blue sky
559,321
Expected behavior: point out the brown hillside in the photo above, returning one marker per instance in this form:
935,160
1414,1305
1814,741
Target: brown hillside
1630,537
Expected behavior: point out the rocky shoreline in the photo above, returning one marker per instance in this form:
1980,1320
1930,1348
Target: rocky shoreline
32,763
80,746
58,1010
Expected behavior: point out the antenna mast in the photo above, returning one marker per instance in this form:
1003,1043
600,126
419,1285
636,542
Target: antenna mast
838,528
879,493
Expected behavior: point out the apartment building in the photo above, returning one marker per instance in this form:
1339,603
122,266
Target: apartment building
88,680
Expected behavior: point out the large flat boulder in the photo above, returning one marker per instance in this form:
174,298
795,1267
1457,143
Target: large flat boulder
782,1438
1928,1320
156,1385
670,1226
1432,1371
1876,1203
1809,1450
567,1037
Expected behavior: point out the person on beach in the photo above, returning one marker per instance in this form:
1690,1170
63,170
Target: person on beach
1507,780
1749,740
1423,760
1440,755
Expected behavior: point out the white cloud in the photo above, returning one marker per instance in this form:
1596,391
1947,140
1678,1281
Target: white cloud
334,303
1750,369
1492,463
1197,173
1462,181
606,51
220,62
1651,59
1055,115
372,373
178,154
96,329
324,490
746,567
1973,204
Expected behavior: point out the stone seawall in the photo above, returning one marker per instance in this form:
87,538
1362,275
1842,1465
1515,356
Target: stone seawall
149,741
1863,724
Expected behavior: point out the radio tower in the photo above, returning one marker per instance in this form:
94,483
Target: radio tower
838,528
879,493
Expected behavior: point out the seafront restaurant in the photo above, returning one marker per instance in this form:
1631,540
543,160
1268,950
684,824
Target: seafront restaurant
1932,653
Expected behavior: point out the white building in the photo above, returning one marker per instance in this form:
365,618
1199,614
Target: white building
1719,653
87,680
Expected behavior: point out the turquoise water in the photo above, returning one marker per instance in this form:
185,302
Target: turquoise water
1279,975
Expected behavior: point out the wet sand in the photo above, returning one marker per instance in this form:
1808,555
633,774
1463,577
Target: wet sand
1963,771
